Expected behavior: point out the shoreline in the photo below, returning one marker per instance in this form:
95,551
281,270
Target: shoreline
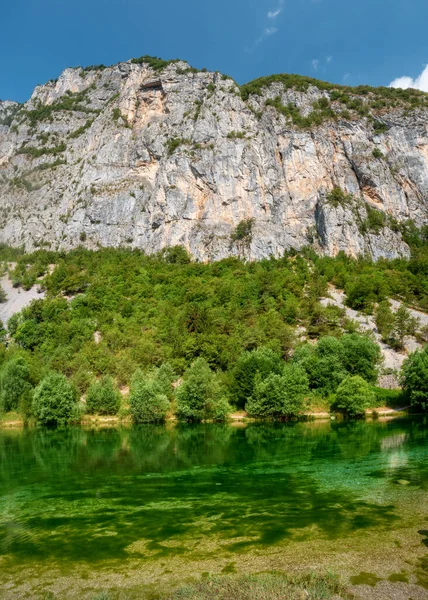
236,419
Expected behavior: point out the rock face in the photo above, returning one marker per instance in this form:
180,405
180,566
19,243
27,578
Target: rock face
132,156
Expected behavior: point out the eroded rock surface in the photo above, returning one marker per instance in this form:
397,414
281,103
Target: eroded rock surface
127,156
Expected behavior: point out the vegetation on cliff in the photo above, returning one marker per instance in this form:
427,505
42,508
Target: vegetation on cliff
232,330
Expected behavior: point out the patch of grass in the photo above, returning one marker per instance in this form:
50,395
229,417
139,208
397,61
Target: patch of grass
36,152
379,127
375,221
94,68
68,102
378,153
198,104
380,97
173,143
52,165
263,586
337,197
118,115
155,63
78,132
236,135
321,113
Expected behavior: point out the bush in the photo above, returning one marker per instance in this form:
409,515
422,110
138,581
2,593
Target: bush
361,356
243,231
323,364
14,383
279,396
263,361
103,397
148,402
365,290
414,378
337,197
378,153
200,396
55,401
354,396
165,377
176,255
395,327
384,318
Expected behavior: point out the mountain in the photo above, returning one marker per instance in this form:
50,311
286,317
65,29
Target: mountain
151,153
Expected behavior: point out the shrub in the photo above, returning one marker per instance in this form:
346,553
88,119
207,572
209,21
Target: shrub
55,401
14,383
354,396
243,232
378,153
404,324
155,63
323,364
263,361
365,290
375,221
331,360
176,255
279,396
173,143
361,356
414,378
200,396
337,197
148,402
395,327
103,397
384,319
165,377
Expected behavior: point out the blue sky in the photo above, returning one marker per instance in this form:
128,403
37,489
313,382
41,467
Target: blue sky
343,41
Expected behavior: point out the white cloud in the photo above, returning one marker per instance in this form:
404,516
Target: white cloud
315,64
273,14
419,83
329,59
268,31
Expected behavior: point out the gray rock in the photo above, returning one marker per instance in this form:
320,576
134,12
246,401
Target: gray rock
120,181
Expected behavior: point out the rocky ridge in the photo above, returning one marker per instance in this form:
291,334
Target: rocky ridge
150,154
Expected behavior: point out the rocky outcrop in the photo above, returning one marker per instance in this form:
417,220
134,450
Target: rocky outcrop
132,156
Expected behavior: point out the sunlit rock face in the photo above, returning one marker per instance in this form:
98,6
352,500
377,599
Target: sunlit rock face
128,156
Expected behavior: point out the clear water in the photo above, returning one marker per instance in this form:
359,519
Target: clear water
153,499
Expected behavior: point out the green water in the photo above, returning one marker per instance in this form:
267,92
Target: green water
154,499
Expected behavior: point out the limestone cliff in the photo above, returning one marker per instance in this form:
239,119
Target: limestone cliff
154,156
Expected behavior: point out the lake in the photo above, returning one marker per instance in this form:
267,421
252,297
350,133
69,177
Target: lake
139,509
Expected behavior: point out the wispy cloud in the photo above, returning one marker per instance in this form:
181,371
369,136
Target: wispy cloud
329,59
267,32
273,14
315,64
419,83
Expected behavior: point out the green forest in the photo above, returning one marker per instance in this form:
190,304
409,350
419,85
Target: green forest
201,340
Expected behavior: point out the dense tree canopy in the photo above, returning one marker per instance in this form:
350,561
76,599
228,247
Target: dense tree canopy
113,312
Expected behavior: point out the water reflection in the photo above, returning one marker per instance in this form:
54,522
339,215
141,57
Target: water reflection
153,491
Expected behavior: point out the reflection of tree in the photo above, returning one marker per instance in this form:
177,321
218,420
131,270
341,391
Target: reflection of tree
93,494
